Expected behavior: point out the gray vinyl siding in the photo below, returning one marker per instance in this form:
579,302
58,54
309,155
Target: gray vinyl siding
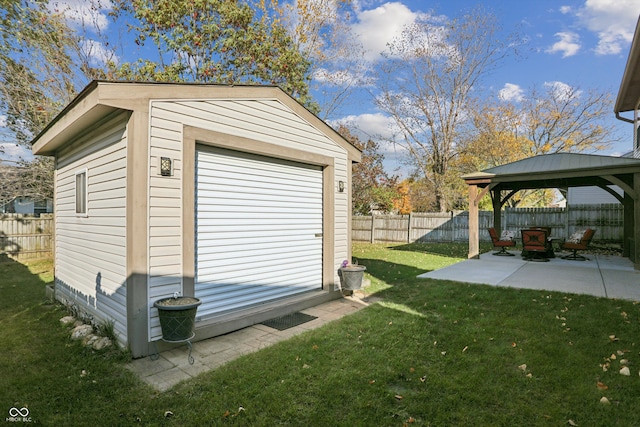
267,121
90,250
591,195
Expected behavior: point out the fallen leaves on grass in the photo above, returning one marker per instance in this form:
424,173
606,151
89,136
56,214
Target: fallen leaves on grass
602,386
625,371
613,338
604,400
229,414
571,423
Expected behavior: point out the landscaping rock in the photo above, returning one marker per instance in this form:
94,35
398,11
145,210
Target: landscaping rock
81,331
89,340
67,320
101,343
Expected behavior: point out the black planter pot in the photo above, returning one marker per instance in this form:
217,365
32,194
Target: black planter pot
177,317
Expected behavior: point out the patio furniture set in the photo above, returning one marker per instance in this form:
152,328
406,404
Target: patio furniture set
537,243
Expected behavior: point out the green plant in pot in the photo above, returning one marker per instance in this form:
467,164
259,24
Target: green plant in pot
177,317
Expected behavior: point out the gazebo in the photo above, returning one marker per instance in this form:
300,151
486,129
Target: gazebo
560,170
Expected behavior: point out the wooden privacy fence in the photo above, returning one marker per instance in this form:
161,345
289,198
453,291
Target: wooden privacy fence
607,219
24,237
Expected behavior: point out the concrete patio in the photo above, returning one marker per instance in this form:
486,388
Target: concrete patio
608,276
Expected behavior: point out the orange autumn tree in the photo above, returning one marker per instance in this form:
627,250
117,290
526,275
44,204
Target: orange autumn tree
402,204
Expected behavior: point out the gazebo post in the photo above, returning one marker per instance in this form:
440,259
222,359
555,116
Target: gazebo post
628,228
497,213
635,232
474,242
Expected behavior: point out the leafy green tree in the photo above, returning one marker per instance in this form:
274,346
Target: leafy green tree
215,41
40,71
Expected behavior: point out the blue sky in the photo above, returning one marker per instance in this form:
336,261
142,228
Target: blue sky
581,43
575,42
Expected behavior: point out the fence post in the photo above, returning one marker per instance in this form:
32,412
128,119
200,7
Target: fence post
409,230
373,228
452,229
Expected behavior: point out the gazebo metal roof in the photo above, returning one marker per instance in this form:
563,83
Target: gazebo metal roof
559,170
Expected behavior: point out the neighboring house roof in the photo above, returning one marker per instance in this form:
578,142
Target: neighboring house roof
101,98
629,92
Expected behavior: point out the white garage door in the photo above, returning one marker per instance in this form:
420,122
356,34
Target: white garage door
258,229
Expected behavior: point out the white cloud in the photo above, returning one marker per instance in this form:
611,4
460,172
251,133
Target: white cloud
89,14
569,44
97,53
377,27
350,77
565,9
376,126
562,91
613,21
511,92
13,153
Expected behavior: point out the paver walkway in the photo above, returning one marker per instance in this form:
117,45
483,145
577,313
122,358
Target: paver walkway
172,366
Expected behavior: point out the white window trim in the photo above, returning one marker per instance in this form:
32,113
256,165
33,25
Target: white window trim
86,193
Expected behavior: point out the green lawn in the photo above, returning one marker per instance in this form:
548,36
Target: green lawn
428,353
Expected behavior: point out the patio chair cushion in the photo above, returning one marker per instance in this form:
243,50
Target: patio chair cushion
507,235
576,237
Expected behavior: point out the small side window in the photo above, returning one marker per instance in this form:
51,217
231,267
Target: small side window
81,192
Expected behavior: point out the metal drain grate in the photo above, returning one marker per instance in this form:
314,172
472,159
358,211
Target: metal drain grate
288,321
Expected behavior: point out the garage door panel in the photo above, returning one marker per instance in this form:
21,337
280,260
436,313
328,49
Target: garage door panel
258,228
248,298
212,244
256,255
220,270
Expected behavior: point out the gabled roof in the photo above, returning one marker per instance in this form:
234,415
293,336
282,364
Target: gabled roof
629,92
101,98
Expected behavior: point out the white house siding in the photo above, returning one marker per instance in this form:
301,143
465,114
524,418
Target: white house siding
592,195
268,121
90,250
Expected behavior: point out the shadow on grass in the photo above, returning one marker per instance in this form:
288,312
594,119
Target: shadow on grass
451,250
390,271
21,286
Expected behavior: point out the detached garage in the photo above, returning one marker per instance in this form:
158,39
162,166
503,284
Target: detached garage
237,195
